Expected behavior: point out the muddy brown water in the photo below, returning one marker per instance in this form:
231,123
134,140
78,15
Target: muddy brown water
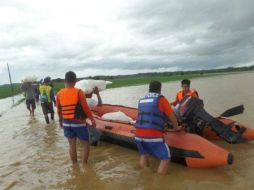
35,156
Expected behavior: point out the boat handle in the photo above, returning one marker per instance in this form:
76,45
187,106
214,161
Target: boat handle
108,127
133,131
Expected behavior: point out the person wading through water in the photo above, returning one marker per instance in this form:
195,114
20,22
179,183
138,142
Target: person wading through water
30,93
73,111
153,112
47,98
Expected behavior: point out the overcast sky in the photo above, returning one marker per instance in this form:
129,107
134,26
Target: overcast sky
109,37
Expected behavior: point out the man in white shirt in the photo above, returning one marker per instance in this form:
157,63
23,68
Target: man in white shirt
90,101
95,134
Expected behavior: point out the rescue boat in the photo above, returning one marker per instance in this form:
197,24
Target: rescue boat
186,148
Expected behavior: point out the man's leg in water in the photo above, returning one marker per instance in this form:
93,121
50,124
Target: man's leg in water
161,151
28,106
52,116
46,118
51,110
86,150
163,167
33,112
144,158
94,135
73,150
33,107
144,161
45,111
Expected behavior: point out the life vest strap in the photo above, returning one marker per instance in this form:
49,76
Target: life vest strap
68,105
150,113
146,121
68,109
67,113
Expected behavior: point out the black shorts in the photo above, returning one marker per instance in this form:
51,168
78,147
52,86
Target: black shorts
30,103
47,108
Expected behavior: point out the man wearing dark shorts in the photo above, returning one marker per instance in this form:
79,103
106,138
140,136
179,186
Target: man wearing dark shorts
47,98
47,107
29,89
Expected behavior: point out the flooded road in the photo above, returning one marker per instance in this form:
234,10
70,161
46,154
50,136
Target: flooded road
8,103
35,155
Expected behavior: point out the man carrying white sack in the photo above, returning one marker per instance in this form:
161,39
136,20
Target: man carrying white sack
29,89
91,87
90,101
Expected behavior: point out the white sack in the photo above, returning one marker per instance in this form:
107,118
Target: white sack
30,79
88,85
120,116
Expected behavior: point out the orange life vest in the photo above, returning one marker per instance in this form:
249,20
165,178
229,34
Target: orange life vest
70,107
191,92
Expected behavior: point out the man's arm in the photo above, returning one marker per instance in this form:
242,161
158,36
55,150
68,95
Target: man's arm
195,94
59,111
174,122
175,102
164,106
37,94
23,86
86,109
52,96
96,91
58,107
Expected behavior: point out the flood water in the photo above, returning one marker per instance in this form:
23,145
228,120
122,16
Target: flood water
34,155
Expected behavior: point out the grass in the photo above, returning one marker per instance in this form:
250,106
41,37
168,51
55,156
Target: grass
6,91
58,86
134,81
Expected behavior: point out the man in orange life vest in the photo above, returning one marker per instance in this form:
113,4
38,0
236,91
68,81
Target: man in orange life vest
153,112
186,91
73,111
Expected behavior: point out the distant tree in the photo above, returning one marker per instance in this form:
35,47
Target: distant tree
58,80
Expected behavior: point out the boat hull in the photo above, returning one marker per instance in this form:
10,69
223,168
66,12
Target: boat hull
189,149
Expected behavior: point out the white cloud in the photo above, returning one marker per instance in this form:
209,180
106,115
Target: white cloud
122,37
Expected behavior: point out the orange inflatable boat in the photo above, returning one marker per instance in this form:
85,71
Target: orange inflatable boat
189,149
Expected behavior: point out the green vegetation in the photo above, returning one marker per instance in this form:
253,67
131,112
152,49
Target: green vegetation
133,80
6,91
57,86
137,79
